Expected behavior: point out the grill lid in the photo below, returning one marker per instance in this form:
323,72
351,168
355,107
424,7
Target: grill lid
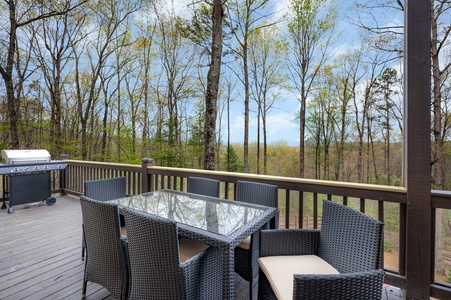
24,156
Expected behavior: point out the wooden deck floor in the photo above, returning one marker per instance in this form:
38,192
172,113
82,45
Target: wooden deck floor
40,250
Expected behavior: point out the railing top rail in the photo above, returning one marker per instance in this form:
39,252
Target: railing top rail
310,185
441,199
119,166
327,187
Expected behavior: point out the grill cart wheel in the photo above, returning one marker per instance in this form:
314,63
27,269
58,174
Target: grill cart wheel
50,201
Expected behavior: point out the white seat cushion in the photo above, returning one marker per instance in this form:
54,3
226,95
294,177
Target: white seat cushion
246,244
189,248
280,270
124,231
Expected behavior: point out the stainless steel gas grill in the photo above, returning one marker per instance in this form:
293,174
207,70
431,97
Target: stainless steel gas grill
27,177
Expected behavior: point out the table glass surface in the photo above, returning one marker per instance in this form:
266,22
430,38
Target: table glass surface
212,214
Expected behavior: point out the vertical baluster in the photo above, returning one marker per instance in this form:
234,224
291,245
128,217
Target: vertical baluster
315,210
287,208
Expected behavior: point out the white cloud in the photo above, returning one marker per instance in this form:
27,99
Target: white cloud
181,8
281,123
280,9
280,126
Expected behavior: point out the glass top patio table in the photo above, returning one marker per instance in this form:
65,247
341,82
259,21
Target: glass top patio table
213,221
212,214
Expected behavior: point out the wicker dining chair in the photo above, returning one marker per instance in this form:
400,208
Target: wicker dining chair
203,186
162,266
106,261
247,253
339,261
104,190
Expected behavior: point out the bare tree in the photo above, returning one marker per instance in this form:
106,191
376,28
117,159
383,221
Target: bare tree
211,95
364,102
266,51
310,31
145,55
348,78
440,31
385,90
177,57
54,59
244,18
21,15
107,20
322,120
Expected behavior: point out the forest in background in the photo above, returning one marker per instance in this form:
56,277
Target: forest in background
117,81
114,81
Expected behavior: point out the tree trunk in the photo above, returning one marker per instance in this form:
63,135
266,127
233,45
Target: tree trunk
302,136
7,74
438,141
211,95
258,135
388,143
265,147
228,132
246,108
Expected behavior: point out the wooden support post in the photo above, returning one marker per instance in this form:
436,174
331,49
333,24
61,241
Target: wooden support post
62,179
145,178
417,147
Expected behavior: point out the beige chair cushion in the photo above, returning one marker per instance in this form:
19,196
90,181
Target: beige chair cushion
190,248
246,244
280,270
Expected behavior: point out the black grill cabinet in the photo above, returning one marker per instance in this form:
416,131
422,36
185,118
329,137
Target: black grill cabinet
27,177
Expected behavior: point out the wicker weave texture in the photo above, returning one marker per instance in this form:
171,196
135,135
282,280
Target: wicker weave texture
155,268
290,242
105,260
360,285
246,260
348,240
225,244
106,189
257,193
203,186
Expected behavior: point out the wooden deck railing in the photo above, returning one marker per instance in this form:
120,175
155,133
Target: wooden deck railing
299,201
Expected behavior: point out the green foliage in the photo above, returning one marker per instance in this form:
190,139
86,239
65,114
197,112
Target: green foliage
448,275
306,18
199,29
236,165
388,246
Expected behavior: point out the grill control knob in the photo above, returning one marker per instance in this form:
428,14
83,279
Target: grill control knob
36,168
46,167
26,168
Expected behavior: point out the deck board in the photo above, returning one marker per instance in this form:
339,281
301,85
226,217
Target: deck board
40,249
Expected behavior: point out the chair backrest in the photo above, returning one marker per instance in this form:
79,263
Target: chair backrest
105,259
153,251
106,189
256,193
203,186
350,240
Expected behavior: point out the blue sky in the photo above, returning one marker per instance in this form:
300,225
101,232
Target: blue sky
282,125
281,121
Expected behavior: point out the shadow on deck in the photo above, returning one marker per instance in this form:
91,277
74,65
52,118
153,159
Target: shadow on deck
40,250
